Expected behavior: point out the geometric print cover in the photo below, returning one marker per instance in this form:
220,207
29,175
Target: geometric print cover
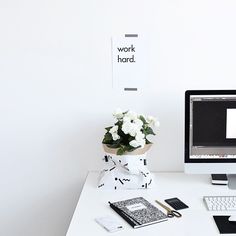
140,210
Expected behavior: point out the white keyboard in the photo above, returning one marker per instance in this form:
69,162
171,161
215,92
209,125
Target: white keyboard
220,203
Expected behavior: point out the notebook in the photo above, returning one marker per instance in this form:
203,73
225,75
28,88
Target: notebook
138,212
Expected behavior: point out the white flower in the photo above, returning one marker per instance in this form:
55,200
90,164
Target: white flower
138,123
139,136
126,119
130,128
153,121
126,127
138,141
114,129
115,136
142,143
134,129
113,132
132,115
131,123
118,113
135,143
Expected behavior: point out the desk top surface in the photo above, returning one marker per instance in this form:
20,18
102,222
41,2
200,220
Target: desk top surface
196,220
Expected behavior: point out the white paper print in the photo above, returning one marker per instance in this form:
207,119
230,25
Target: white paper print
130,62
231,123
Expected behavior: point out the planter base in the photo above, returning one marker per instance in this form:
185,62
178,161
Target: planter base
125,172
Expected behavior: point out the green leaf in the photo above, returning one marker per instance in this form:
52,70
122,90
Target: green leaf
143,119
120,151
148,130
119,123
107,138
108,128
145,132
114,145
130,148
130,138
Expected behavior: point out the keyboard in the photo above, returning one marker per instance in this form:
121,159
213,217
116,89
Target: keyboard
220,203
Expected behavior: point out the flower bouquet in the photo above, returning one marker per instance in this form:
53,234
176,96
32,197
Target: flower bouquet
125,144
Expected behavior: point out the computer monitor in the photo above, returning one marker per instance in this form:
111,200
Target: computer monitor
210,132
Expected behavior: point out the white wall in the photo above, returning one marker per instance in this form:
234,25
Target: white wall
56,96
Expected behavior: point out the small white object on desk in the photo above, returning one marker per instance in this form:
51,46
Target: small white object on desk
110,223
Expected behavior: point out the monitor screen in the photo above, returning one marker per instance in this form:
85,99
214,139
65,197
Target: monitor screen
211,119
210,126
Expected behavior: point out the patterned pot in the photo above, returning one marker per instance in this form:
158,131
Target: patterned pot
128,171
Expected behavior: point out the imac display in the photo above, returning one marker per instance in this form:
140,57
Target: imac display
210,131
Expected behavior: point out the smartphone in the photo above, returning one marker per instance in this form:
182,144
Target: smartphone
176,203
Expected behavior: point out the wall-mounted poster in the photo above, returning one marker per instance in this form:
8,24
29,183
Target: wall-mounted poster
130,62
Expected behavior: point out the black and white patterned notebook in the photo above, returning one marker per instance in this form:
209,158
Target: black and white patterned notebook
138,212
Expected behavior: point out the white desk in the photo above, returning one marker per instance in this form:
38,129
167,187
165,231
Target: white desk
196,220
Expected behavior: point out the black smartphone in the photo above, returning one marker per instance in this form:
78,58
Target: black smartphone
176,203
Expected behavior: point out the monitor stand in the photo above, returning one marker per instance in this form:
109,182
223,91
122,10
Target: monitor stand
232,181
